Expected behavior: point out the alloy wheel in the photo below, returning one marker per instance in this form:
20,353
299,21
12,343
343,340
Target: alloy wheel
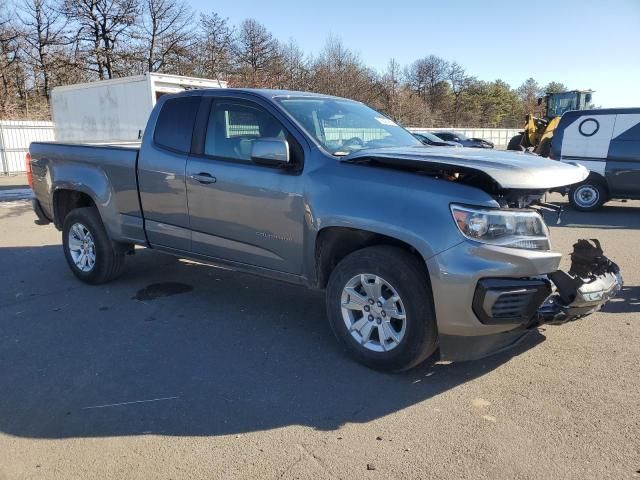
82,247
373,312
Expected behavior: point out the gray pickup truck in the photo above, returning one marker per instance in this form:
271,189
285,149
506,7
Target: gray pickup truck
418,248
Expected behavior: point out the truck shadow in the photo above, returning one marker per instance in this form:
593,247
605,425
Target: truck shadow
236,354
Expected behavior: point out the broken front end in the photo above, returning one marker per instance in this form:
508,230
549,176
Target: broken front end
556,298
502,280
516,283
506,308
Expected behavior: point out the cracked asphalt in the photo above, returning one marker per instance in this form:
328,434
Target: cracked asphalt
239,377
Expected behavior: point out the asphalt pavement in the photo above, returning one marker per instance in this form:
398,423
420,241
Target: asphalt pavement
217,374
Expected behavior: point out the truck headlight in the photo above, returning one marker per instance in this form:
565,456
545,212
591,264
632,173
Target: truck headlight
506,228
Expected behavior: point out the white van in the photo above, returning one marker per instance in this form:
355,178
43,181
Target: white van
607,142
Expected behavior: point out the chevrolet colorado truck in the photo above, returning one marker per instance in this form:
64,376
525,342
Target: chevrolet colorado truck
418,248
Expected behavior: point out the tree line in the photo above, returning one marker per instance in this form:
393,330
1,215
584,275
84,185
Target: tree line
46,43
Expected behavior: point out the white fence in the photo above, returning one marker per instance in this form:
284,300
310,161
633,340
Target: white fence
15,137
498,136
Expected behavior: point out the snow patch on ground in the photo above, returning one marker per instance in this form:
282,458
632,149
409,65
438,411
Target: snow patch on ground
15,194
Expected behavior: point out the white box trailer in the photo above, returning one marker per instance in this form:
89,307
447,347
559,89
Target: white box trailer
114,110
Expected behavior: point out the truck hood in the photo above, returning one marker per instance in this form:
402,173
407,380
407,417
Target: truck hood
510,170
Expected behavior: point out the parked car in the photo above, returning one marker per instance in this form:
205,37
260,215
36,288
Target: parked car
607,142
458,137
434,141
417,248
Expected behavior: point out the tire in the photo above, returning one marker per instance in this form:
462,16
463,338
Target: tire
398,272
544,149
515,143
108,258
588,195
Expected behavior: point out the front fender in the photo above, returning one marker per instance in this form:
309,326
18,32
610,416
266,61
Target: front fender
411,237
407,207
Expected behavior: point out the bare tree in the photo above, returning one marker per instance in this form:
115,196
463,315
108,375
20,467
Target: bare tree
45,35
58,42
339,71
428,78
256,52
101,26
10,68
216,47
391,82
166,32
294,69
460,82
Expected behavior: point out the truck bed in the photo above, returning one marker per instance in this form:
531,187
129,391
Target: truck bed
106,171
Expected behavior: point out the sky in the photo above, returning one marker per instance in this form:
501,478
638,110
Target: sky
583,44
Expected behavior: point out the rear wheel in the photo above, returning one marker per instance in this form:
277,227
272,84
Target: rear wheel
515,143
380,307
588,196
91,255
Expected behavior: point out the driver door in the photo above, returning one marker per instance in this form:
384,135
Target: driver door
238,210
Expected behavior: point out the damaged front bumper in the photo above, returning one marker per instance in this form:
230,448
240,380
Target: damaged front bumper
507,308
552,299
574,298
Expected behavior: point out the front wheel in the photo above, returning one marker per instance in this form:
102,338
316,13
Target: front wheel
91,255
587,196
380,308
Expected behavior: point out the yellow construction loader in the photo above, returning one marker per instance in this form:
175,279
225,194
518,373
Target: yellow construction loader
538,132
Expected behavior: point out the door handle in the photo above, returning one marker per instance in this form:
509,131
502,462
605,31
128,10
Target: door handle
203,177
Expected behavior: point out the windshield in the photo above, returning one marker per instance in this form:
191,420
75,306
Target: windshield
461,136
344,126
559,103
429,136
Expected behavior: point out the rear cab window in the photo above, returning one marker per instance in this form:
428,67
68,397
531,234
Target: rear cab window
174,127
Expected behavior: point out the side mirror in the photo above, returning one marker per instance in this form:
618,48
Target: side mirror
587,98
272,152
539,101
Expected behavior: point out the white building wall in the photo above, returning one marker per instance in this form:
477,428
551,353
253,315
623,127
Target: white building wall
15,137
498,136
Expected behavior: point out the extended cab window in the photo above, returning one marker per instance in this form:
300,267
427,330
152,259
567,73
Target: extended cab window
233,127
174,127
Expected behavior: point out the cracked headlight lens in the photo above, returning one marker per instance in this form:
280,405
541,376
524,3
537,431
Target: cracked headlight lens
507,228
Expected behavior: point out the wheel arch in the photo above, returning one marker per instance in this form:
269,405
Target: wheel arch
67,199
597,177
333,243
